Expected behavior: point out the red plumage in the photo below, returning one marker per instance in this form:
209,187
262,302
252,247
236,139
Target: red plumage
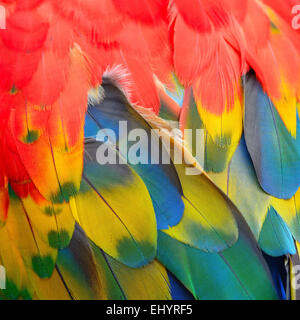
48,66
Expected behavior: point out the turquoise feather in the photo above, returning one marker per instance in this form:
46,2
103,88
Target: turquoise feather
275,238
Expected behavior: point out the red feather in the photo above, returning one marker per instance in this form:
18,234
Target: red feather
144,11
193,14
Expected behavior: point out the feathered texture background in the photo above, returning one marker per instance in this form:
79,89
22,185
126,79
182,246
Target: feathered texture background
71,228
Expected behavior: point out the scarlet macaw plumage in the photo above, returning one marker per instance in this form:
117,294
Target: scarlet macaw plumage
72,227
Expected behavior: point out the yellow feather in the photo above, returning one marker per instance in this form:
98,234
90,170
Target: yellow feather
287,107
50,289
225,129
36,254
117,216
51,219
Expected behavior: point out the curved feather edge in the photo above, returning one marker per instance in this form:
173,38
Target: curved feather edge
275,238
200,213
274,151
89,273
239,182
230,274
108,192
160,179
